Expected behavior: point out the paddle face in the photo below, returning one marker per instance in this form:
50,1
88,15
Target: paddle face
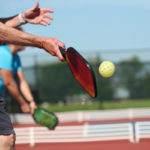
45,118
81,70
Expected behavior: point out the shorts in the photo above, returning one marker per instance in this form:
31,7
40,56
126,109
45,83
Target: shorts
6,127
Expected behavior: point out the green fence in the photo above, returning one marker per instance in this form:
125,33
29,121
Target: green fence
54,82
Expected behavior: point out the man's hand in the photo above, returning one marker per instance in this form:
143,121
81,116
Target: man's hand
51,45
32,107
38,15
25,107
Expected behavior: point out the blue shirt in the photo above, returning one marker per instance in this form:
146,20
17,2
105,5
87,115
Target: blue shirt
8,62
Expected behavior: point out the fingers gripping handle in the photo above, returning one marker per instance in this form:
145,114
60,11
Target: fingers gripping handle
63,52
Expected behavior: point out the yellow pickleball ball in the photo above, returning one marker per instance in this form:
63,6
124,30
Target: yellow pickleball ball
106,69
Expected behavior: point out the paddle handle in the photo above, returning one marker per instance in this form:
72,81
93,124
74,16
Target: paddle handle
63,52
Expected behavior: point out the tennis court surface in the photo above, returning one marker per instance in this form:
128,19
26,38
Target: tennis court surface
113,145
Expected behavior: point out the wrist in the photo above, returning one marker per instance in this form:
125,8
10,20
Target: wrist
30,101
21,102
21,19
40,42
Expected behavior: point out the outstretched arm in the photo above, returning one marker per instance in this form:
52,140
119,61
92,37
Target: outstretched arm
4,20
33,15
11,35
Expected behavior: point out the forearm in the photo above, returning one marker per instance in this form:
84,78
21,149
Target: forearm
25,90
11,35
4,20
11,21
13,90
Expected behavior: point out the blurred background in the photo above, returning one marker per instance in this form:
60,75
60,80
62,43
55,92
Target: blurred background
112,30
100,30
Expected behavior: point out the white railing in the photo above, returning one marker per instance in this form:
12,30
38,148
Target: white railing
115,131
142,130
131,131
34,135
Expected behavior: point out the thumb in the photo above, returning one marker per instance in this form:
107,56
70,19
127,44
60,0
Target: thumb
31,110
59,55
36,6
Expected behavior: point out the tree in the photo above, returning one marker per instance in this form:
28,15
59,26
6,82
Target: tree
57,82
145,86
129,73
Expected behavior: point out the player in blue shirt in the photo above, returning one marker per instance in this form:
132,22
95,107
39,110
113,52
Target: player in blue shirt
8,62
11,75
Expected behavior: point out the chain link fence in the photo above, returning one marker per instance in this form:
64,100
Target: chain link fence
51,81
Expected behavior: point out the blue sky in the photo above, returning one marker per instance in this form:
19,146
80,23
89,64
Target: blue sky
91,24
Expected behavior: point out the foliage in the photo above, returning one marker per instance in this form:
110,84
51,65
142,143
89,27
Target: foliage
106,105
129,75
56,82
144,90
104,86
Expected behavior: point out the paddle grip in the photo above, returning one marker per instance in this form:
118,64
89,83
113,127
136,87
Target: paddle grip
63,52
